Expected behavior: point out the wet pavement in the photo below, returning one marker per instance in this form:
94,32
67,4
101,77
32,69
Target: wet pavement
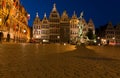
56,61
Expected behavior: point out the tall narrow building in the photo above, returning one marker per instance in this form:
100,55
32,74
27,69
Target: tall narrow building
109,34
45,29
73,28
37,29
117,34
54,22
85,27
65,28
91,26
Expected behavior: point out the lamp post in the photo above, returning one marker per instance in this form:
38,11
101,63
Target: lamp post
58,37
24,31
0,30
113,40
0,22
98,41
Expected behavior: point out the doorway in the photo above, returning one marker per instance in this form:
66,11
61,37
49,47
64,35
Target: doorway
8,38
1,36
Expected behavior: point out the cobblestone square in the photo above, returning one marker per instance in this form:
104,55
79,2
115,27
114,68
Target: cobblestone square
58,61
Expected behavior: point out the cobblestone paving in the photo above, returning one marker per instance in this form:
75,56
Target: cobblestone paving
55,61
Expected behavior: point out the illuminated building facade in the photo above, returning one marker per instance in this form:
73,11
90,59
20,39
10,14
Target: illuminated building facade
37,29
85,27
109,34
65,28
58,29
112,34
73,27
91,26
54,22
41,29
45,29
117,34
13,22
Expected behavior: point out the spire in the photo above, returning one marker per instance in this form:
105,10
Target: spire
81,15
91,24
90,21
74,13
44,15
64,13
54,7
74,16
37,14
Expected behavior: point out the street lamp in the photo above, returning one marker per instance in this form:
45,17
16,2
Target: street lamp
24,31
58,37
98,37
37,36
0,21
113,40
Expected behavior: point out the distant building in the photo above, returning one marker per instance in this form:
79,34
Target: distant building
109,34
91,26
13,22
58,29
65,28
117,34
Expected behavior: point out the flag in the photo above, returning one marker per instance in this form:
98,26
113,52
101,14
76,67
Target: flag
28,16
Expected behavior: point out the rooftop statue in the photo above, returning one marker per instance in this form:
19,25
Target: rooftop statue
80,25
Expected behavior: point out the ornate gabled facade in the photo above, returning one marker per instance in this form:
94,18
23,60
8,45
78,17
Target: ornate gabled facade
91,26
37,28
13,22
117,34
59,29
110,34
65,28
85,27
73,27
54,22
45,29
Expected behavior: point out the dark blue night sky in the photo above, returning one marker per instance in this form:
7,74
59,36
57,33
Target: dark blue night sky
101,11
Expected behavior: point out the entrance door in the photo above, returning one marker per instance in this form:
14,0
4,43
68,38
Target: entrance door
8,37
1,36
